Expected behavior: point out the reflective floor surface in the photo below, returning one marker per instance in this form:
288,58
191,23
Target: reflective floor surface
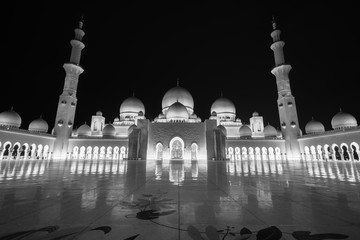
248,199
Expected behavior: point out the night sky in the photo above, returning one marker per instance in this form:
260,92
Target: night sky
210,48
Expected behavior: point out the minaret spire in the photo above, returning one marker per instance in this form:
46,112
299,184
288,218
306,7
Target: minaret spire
286,101
67,101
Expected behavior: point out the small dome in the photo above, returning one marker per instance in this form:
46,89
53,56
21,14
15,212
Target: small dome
177,111
245,131
223,129
131,128
98,113
223,105
178,94
255,114
343,120
109,130
10,118
84,130
38,125
270,131
314,126
132,105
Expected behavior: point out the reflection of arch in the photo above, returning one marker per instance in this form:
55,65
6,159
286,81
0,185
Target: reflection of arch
194,151
177,148
355,150
159,151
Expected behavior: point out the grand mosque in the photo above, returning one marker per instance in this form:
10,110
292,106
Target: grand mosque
177,133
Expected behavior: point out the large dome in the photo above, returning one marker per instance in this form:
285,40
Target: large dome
84,130
178,94
10,118
223,105
177,111
343,120
270,131
132,105
38,125
313,127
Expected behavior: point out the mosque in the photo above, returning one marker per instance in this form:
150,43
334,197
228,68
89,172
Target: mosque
177,133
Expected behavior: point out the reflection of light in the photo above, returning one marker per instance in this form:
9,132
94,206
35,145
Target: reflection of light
158,169
339,175
246,167
231,167
316,169
279,168
88,199
252,166
266,168
259,166
272,166
263,196
238,166
194,169
176,171
330,171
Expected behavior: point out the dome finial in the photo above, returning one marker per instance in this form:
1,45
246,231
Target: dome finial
81,21
274,25
221,93
340,109
12,108
177,82
133,93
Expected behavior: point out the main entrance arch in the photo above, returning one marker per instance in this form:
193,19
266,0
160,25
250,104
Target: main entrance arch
176,148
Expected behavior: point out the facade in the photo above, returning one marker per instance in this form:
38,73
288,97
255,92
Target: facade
178,133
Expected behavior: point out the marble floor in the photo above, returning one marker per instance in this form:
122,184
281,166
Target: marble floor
248,199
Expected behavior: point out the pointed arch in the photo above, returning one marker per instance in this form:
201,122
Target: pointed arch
177,145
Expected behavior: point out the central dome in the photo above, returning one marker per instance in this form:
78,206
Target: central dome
10,118
343,120
177,111
178,94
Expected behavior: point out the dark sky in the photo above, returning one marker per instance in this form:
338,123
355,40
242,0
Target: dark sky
209,47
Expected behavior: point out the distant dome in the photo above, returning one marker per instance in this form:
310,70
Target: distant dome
314,126
343,120
178,94
223,105
270,131
38,125
98,113
109,130
177,111
84,130
245,131
132,105
223,129
10,118
279,133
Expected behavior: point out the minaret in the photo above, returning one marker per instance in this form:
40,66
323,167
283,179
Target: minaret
67,101
286,101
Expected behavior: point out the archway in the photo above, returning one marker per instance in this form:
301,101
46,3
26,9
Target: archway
345,151
176,148
194,151
159,151
355,150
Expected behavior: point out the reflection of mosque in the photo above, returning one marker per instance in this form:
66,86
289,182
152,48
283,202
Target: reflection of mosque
177,133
